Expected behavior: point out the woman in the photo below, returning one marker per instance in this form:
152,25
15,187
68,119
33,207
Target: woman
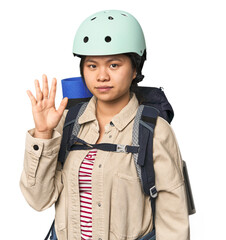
111,205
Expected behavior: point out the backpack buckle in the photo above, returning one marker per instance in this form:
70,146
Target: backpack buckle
153,192
120,148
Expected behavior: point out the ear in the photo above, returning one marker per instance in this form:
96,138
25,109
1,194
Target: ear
134,73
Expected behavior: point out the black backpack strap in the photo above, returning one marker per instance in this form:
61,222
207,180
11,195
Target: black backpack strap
79,144
71,122
145,124
145,157
51,234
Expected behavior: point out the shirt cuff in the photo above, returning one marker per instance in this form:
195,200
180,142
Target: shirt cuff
37,146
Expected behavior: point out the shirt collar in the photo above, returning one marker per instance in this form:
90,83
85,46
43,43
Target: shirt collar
120,120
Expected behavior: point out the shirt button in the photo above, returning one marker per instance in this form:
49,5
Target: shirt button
36,147
110,136
99,204
112,124
99,238
100,166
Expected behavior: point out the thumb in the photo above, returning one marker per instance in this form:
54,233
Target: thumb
62,106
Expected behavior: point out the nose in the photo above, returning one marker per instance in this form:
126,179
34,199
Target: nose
103,75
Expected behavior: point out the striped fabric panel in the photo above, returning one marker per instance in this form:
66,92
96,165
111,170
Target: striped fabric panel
85,188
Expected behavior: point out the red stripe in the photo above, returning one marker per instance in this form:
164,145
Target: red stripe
88,163
85,221
82,211
86,207
87,198
86,168
87,235
83,172
91,160
90,153
85,202
87,231
83,216
93,151
89,193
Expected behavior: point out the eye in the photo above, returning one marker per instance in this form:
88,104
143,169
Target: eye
114,65
92,66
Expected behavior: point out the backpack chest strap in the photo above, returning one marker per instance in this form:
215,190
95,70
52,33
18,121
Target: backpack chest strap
79,144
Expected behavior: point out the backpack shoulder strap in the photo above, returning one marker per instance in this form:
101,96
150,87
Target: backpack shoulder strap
71,126
143,133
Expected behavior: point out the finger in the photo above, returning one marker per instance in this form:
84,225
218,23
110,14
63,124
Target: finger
38,91
52,93
45,88
32,98
62,106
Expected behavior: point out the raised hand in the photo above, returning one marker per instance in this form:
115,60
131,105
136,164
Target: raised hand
45,115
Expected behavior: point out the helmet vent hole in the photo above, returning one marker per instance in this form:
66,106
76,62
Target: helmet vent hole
123,14
110,18
86,39
107,39
93,18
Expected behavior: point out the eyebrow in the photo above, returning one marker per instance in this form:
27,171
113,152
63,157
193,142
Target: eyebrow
109,60
90,60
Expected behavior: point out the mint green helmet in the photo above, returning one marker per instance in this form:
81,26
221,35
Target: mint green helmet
108,33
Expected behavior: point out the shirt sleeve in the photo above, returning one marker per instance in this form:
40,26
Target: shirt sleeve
40,180
171,217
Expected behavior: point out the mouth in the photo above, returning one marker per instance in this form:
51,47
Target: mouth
104,88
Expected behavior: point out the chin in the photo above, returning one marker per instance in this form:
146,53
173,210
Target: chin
105,98
110,99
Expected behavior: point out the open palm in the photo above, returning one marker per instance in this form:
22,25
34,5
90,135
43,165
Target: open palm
46,116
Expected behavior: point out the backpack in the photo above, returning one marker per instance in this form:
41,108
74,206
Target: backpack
154,104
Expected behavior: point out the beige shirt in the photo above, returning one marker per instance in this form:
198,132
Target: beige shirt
120,209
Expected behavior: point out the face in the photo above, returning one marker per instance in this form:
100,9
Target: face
109,77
